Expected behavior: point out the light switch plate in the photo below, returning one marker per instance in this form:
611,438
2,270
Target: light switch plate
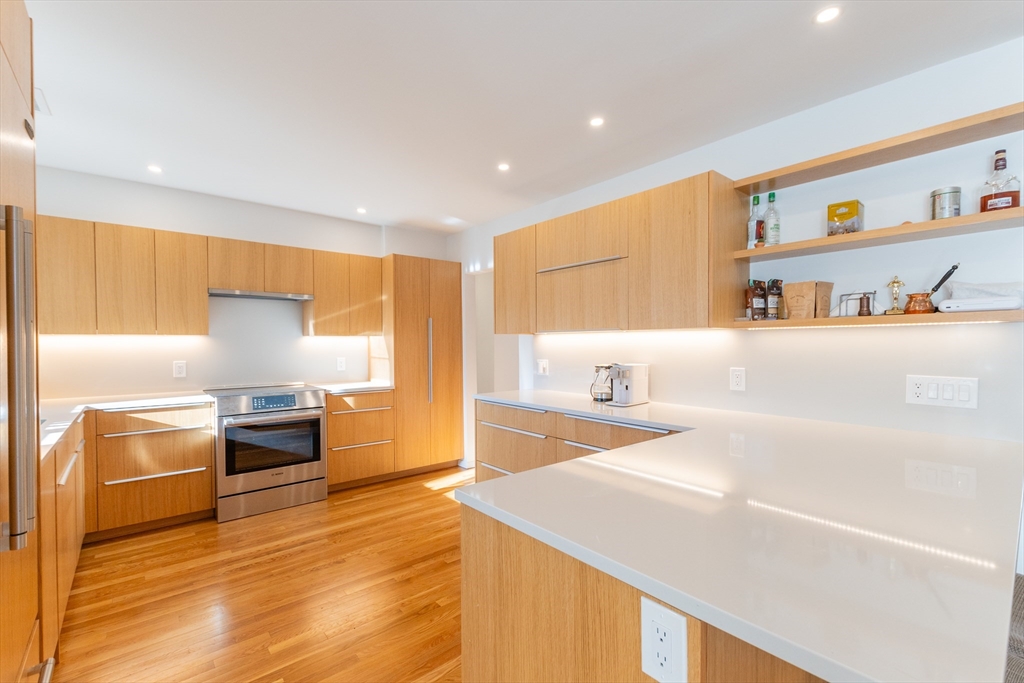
542,366
341,364
178,369
947,392
662,643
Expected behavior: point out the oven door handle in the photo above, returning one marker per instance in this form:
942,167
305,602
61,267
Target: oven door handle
271,419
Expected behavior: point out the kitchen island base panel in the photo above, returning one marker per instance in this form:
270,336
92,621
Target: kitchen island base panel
118,532
391,475
530,612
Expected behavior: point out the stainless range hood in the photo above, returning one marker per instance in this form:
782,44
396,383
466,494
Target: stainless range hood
274,296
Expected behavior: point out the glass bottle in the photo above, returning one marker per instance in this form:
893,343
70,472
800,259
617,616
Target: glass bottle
755,224
1001,190
772,225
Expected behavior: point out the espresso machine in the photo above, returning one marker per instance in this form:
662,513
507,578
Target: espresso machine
629,384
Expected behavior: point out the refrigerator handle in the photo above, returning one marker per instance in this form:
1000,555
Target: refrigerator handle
22,418
430,360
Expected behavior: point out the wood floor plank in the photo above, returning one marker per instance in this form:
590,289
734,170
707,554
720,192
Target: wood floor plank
364,586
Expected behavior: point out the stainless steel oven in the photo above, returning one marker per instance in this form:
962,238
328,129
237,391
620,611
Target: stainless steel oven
271,449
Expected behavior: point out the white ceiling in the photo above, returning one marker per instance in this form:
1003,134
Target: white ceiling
406,108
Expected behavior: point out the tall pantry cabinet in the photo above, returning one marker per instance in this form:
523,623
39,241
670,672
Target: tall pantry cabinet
423,330
19,568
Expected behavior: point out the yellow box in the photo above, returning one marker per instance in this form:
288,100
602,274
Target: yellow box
845,217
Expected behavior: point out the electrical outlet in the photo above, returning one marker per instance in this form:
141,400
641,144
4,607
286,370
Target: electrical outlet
737,445
738,379
178,369
542,366
341,364
663,642
947,392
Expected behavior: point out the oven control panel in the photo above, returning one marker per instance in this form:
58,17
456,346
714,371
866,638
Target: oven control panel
273,402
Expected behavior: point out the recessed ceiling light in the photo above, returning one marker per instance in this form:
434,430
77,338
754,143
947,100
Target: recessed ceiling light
827,15
360,210
597,122
153,168
502,167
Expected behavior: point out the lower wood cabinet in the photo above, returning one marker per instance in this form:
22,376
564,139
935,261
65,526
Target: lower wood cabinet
591,431
514,450
153,464
360,436
485,472
351,463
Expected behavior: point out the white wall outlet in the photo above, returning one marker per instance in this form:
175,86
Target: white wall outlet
178,368
341,364
737,445
542,366
947,392
663,643
738,379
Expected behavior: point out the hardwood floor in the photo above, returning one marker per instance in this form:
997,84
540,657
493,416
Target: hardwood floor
362,587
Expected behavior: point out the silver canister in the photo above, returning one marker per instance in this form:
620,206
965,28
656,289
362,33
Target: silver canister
945,202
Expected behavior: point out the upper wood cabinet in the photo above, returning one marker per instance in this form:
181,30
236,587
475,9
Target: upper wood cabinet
365,302
288,269
595,234
125,280
182,301
66,273
236,264
593,297
515,282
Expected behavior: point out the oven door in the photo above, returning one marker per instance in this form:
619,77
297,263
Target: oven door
265,450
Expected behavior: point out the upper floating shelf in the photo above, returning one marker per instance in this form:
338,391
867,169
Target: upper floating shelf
990,124
943,227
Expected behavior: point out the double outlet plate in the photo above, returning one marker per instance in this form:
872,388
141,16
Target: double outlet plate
663,643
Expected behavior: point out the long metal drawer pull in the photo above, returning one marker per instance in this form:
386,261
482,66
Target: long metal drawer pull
44,669
492,467
583,445
580,263
512,429
359,410
430,360
155,431
172,405
153,476
361,445
80,446
81,416
617,424
67,470
505,405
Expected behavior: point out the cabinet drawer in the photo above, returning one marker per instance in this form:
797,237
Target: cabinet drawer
485,472
527,419
145,500
594,432
145,419
349,463
135,456
568,450
513,450
360,419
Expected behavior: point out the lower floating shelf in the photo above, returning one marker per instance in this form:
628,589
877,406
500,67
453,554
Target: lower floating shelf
883,320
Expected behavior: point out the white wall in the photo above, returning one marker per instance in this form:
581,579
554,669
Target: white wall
249,341
848,375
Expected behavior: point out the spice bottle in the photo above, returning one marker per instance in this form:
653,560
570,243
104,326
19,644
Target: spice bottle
774,295
758,305
1001,190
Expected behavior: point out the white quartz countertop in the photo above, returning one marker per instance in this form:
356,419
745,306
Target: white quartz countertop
856,553
356,387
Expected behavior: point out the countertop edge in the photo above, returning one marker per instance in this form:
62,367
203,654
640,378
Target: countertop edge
811,662
675,427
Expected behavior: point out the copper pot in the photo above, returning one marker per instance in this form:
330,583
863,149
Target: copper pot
919,303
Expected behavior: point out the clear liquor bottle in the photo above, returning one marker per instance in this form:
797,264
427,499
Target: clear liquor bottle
1001,190
755,225
772,224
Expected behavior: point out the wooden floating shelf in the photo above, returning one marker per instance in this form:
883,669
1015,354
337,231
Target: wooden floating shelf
990,124
944,227
882,320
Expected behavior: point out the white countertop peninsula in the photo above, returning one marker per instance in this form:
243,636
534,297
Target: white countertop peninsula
855,553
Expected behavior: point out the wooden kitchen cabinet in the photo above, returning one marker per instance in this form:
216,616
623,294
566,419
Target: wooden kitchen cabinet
591,297
70,516
182,301
288,269
66,275
598,233
515,282
423,328
235,264
46,522
328,313
366,308
143,475
360,436
125,280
